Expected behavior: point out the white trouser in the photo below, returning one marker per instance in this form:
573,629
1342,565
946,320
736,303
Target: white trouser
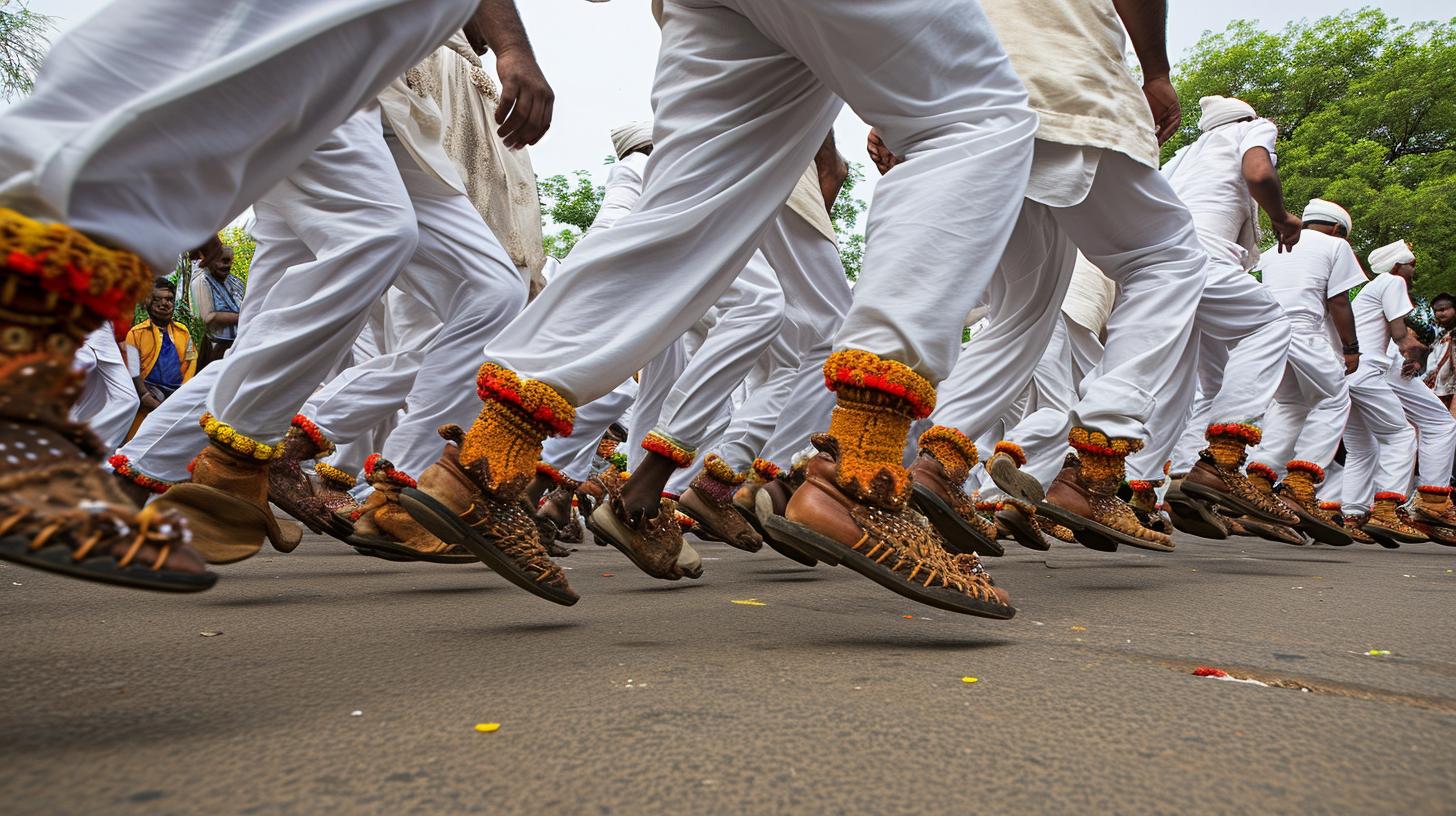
324,244
749,316
1047,416
1380,445
350,454
108,401
458,289
1435,429
1310,407
745,91
1233,368
817,294
1133,227
572,455
160,143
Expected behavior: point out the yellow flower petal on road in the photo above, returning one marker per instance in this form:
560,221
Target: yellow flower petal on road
751,602
487,728
970,679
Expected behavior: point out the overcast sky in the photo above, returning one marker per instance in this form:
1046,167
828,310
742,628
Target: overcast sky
599,58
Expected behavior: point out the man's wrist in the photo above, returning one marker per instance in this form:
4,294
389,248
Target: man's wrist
1351,348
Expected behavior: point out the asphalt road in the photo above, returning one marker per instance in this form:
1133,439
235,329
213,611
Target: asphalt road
343,684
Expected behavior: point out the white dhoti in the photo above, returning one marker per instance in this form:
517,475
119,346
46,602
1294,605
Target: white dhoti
156,149
108,401
745,91
1380,445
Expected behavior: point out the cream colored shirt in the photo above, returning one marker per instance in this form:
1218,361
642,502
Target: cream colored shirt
807,201
1069,54
1090,296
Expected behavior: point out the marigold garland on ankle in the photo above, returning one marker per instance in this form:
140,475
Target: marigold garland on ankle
1011,449
765,470
1263,471
606,447
228,437
123,468
662,445
714,466
313,433
1242,431
378,469
1330,505
1390,495
1434,490
329,473
63,261
537,400
863,369
1143,485
556,477
955,451
1097,443
1300,465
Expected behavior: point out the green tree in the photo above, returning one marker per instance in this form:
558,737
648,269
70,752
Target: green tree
845,215
1366,111
570,203
24,40
243,247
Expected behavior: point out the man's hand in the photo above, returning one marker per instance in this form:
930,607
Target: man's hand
1410,368
524,113
1288,228
150,402
1163,102
880,154
1352,362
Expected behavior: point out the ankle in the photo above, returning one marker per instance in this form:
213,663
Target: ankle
1228,442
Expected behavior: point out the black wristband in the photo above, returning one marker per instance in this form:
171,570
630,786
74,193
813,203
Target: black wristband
1352,348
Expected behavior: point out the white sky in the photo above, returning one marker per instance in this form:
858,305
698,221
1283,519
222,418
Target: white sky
599,58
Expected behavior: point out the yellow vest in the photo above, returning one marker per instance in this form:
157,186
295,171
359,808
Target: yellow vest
147,340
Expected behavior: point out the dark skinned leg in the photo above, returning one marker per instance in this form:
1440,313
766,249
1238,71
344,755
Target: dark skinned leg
537,488
643,491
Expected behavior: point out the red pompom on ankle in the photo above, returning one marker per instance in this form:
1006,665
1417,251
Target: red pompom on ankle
123,468
1242,431
377,468
1435,490
679,455
311,430
1390,495
1261,469
1011,449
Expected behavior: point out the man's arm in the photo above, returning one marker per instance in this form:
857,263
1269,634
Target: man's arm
1410,346
1343,317
1146,22
524,113
832,170
1264,186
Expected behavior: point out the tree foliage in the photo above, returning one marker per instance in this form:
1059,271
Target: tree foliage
845,215
571,203
24,40
1366,111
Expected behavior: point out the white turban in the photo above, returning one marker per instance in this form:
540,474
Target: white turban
1220,110
1320,210
1389,256
632,135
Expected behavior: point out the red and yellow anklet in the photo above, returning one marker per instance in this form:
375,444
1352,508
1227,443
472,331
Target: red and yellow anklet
537,400
316,436
557,477
679,454
765,470
1242,431
228,437
64,262
1315,471
1434,490
1390,495
122,466
955,451
378,469
1263,471
1011,449
863,369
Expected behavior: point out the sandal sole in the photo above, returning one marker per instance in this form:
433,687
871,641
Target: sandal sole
442,521
1016,482
1024,531
102,569
1232,502
1322,531
787,552
947,600
962,537
392,547
804,554
1194,517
